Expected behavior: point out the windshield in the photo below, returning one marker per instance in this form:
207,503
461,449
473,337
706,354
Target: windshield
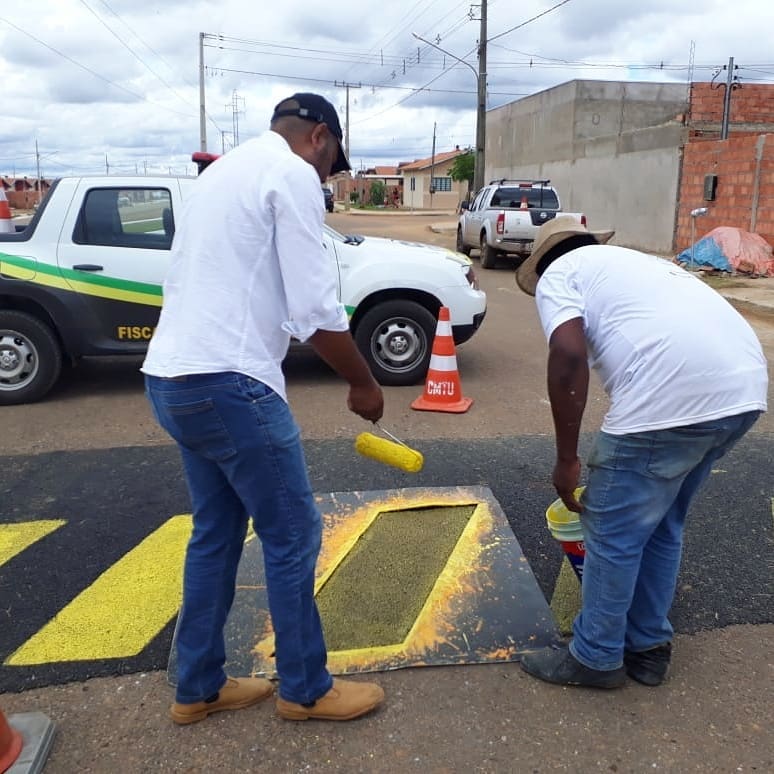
536,197
333,234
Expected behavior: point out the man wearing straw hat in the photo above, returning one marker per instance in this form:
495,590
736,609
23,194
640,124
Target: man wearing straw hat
686,378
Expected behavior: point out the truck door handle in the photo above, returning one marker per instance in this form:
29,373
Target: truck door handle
87,267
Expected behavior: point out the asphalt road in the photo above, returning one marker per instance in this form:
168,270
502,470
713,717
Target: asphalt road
92,457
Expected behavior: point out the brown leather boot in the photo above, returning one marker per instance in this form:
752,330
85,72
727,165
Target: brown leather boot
236,693
346,700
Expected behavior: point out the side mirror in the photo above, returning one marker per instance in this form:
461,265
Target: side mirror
464,206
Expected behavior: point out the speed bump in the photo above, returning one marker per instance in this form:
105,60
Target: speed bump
405,577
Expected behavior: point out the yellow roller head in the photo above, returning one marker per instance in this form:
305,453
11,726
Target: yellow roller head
389,452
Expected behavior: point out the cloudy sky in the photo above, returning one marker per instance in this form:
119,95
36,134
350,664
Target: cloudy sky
114,84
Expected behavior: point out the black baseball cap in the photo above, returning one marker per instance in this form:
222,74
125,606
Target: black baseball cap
313,107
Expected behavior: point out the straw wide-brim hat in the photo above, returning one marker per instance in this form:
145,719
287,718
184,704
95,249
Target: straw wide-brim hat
549,235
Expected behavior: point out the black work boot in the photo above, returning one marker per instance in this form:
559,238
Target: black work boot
648,667
559,666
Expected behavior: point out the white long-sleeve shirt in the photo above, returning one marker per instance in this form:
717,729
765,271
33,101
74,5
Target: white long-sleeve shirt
248,268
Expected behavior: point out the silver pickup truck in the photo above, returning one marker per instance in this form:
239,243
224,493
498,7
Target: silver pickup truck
504,218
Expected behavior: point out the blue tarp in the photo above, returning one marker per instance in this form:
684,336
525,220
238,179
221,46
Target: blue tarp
706,252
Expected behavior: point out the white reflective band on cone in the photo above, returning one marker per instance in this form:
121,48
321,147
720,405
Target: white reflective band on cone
443,363
444,328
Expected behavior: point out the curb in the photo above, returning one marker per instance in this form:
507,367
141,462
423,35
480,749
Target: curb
751,307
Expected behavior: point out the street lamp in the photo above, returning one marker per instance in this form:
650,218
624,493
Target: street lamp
697,213
478,173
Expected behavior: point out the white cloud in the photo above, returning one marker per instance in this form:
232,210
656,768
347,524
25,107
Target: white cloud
90,78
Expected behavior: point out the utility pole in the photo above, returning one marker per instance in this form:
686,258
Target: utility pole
202,112
727,100
40,182
347,86
480,73
235,111
432,168
478,173
107,165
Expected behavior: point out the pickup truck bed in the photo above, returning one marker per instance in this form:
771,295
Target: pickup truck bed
504,218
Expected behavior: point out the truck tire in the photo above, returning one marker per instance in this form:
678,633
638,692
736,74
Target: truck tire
396,338
488,255
30,358
460,244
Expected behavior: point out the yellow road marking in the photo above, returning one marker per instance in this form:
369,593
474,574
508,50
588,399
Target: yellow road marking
566,600
15,538
123,610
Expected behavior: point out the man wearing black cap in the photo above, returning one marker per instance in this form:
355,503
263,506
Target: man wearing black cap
248,272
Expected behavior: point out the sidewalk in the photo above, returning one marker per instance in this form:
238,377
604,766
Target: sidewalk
714,714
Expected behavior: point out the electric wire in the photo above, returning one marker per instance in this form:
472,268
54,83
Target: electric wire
93,72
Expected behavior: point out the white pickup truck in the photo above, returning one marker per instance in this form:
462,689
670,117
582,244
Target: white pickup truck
504,218
84,278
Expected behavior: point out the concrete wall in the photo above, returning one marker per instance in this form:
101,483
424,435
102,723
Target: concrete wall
612,149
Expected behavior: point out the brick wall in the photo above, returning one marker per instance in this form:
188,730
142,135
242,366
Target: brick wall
22,200
735,161
752,109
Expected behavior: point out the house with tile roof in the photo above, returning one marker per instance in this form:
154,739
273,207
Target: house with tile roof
427,185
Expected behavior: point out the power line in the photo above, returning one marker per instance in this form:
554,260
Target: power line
130,49
156,54
310,79
92,72
529,21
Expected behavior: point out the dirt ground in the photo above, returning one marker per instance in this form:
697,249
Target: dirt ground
715,714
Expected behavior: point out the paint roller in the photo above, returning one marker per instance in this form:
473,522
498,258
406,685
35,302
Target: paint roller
391,452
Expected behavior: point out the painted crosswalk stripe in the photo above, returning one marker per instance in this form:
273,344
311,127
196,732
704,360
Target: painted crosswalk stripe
123,610
15,538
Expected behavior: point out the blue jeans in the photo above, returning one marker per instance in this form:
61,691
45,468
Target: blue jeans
243,458
635,503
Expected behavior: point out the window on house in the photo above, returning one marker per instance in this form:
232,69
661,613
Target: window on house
441,184
133,217
413,184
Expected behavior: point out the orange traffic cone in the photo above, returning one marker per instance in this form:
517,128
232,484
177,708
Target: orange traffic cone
6,224
10,744
443,391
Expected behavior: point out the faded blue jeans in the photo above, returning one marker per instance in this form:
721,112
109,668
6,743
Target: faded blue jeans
243,458
639,489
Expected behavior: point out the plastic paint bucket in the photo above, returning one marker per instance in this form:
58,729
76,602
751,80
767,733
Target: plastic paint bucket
565,526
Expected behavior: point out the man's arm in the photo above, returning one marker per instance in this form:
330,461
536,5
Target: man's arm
568,384
340,352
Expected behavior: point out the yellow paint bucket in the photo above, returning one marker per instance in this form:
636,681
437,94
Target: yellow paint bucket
565,526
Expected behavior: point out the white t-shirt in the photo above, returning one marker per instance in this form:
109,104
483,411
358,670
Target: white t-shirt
670,351
248,268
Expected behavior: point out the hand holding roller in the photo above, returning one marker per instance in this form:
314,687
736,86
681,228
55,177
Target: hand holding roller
394,452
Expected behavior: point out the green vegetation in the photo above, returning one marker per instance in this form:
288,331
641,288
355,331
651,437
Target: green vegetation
463,167
377,193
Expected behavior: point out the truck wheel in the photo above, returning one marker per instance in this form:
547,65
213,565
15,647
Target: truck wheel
488,256
460,244
396,339
30,358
